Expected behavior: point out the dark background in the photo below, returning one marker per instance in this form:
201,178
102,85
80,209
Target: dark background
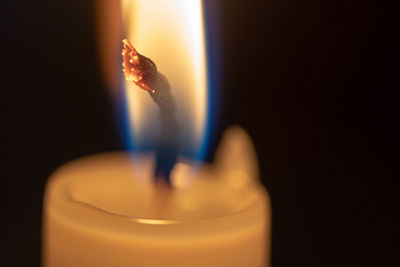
314,83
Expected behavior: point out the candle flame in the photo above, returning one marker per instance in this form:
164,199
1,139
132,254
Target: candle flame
170,33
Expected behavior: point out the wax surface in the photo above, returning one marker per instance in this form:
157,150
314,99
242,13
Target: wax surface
105,210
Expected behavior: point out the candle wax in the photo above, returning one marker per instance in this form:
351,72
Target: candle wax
105,210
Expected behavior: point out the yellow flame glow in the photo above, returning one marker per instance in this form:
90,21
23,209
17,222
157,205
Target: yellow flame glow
171,34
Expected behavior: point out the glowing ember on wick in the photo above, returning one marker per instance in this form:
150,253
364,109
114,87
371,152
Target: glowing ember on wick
143,72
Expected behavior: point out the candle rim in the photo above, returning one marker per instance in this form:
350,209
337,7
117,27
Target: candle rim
96,220
152,221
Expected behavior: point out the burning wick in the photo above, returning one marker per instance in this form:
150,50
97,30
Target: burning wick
143,72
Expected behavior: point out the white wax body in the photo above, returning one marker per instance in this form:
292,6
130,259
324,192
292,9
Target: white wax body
104,210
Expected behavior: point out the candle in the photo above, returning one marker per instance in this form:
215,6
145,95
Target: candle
107,210
104,210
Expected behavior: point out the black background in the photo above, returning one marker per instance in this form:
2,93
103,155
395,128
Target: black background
314,82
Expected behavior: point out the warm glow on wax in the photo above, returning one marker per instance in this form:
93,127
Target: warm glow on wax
104,210
171,34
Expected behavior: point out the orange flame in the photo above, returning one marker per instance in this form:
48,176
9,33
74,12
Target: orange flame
172,34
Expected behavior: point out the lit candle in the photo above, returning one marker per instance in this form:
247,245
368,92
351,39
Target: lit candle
104,210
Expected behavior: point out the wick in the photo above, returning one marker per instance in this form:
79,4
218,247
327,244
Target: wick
142,71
